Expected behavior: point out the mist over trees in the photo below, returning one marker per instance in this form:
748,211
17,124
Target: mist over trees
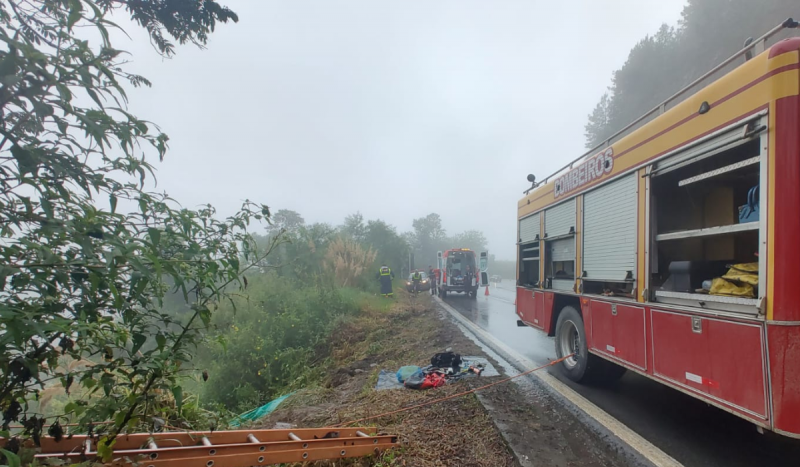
300,253
659,65
429,236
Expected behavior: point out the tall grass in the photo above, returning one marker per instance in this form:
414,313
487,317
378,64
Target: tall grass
273,342
348,260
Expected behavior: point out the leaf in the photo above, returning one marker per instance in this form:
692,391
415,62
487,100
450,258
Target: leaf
47,207
68,383
205,314
105,449
117,296
161,341
11,458
8,65
138,342
112,199
223,343
75,13
177,392
25,160
155,235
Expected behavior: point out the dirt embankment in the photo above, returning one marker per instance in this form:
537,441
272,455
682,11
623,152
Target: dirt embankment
457,432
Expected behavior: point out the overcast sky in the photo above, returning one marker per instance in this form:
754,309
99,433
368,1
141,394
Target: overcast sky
393,109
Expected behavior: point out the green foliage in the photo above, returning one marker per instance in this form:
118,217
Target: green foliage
84,281
269,343
472,239
354,228
285,220
659,65
298,253
429,236
184,20
391,248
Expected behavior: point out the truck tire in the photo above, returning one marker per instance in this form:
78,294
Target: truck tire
443,294
570,337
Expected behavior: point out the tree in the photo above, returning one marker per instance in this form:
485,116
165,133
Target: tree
428,237
78,279
472,239
658,66
390,247
598,128
354,227
298,253
285,220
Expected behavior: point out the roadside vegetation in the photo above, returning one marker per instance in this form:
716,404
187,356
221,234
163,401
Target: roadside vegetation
386,335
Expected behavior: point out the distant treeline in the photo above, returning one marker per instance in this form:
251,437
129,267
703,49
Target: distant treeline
708,32
302,253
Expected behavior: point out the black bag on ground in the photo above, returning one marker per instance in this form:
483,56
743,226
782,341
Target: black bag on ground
446,360
415,380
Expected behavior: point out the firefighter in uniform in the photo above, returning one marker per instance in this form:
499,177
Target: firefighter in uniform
385,276
416,278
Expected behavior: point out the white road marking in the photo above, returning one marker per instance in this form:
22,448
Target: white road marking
636,442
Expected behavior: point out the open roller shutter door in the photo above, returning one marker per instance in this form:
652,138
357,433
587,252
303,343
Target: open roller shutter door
529,228
609,230
560,219
562,250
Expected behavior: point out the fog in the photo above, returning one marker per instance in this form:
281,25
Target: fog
392,109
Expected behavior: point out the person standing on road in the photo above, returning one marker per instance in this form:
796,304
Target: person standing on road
385,276
468,275
432,278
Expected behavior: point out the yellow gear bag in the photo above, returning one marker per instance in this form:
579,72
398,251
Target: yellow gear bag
745,272
720,286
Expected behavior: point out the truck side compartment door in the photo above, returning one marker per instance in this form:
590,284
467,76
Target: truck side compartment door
483,264
440,267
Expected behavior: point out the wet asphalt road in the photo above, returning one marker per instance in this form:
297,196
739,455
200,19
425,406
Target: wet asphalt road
694,433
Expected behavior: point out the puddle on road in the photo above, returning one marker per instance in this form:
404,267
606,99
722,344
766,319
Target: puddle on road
496,315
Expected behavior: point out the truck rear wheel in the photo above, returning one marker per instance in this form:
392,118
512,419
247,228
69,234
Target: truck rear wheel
582,367
443,293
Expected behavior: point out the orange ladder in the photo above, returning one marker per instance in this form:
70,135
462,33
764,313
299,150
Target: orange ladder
239,448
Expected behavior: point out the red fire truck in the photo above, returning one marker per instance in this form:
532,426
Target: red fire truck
672,250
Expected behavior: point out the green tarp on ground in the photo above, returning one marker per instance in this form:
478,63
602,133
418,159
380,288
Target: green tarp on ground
259,412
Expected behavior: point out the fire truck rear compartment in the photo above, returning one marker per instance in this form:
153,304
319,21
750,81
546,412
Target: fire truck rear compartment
697,231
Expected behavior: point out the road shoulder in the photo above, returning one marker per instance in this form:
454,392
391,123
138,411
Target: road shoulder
630,448
508,424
